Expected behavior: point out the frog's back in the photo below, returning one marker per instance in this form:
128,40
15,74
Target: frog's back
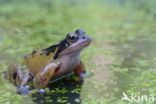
37,60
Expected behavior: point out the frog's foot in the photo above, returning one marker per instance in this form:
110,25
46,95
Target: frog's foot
80,72
23,89
15,75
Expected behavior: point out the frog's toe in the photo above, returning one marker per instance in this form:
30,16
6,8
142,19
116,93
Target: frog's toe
41,91
23,89
83,75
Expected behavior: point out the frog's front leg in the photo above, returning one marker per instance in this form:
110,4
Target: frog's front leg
80,71
43,77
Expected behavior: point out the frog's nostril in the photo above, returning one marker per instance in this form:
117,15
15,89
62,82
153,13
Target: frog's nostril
83,37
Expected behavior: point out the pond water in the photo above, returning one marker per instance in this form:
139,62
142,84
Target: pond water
137,65
1,38
131,55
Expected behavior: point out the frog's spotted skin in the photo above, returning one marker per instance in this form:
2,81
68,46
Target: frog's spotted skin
53,61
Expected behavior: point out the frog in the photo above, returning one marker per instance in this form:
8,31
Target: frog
52,63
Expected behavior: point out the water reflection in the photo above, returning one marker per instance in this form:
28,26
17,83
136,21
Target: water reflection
63,91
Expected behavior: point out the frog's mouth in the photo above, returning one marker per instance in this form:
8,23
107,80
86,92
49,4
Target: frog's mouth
78,46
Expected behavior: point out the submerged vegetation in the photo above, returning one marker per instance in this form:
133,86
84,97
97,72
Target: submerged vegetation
121,58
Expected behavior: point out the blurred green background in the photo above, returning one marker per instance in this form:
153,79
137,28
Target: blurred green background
121,57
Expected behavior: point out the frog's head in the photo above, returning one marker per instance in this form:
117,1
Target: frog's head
76,41
73,42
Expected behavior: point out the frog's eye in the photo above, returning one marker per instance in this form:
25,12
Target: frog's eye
72,37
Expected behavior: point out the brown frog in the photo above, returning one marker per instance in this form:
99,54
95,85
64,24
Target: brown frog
53,62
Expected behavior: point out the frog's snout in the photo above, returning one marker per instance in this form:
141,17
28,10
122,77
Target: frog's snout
89,39
86,39
83,35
